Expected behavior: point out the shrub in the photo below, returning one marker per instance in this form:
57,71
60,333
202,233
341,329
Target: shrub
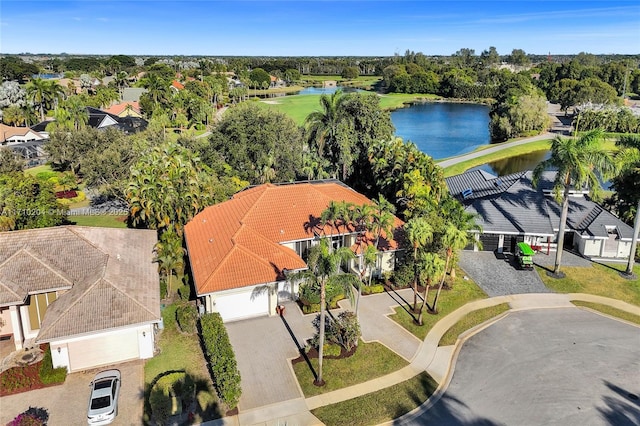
372,289
34,416
404,275
177,385
343,331
222,360
187,316
184,291
48,374
331,349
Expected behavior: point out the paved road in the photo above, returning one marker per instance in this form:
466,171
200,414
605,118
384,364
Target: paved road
461,158
544,367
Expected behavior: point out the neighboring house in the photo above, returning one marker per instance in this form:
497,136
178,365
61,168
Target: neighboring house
100,119
125,109
176,86
510,210
91,293
11,135
132,94
241,250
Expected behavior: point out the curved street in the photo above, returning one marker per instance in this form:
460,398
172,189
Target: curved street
548,366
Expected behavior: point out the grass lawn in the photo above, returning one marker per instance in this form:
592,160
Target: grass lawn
299,107
180,351
471,320
606,309
463,292
371,360
104,221
38,169
379,406
601,280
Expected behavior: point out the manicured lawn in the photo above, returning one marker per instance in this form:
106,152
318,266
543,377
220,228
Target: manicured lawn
601,280
379,406
35,170
606,309
471,320
299,107
104,221
371,360
463,292
182,352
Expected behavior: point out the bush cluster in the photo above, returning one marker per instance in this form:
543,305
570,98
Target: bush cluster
48,374
310,297
34,416
177,385
343,331
187,317
222,359
372,289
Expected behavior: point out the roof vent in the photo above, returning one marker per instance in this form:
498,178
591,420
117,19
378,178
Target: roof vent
467,193
211,240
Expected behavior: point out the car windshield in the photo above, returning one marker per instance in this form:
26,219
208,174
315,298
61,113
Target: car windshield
103,384
100,402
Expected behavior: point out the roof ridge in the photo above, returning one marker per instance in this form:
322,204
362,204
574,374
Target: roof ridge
2,283
46,265
116,287
73,228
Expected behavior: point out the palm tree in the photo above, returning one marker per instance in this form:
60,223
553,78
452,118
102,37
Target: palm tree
157,88
419,233
327,129
324,269
453,239
368,260
430,266
330,217
382,221
628,159
579,162
43,93
77,112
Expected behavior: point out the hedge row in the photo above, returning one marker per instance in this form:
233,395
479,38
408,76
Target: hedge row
48,374
222,359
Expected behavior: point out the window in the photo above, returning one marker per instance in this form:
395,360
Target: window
302,249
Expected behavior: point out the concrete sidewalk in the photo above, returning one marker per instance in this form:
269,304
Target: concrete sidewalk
437,361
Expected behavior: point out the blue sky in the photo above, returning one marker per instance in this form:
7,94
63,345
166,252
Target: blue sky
318,28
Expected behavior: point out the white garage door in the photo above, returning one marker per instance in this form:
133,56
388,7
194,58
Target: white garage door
103,350
242,305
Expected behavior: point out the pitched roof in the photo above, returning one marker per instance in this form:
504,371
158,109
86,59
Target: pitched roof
118,109
107,275
7,132
238,243
177,85
510,205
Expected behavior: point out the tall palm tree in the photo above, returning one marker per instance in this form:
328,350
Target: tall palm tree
157,88
382,222
453,239
419,233
430,266
628,159
328,129
368,259
579,162
43,93
324,269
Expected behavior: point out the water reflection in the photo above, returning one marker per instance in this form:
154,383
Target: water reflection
518,163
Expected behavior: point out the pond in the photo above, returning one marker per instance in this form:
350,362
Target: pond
443,129
519,163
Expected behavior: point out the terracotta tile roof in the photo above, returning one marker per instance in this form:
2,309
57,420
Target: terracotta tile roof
118,109
177,84
7,132
109,273
238,243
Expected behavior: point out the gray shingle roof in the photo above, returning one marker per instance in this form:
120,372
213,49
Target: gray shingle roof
109,273
510,205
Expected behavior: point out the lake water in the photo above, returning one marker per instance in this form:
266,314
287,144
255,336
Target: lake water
443,129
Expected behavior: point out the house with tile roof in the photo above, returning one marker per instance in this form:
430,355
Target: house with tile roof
510,210
12,135
125,109
91,293
241,250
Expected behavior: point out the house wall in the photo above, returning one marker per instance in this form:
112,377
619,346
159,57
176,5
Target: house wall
387,262
624,249
589,246
5,316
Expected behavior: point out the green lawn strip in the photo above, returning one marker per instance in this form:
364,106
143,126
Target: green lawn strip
180,351
38,169
463,292
609,310
379,406
103,221
601,280
370,360
471,320
513,151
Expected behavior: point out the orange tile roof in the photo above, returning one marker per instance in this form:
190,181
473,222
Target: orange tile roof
237,243
177,84
117,109
7,132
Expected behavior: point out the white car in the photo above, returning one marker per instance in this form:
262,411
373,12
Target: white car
103,402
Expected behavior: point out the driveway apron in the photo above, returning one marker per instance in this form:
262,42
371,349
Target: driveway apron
499,275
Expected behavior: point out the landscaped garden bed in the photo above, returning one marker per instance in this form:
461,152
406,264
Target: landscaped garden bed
38,375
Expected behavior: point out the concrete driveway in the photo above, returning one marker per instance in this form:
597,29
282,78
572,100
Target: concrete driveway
552,367
263,347
67,404
498,275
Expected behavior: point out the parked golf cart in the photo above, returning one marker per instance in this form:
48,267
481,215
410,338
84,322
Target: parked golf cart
524,255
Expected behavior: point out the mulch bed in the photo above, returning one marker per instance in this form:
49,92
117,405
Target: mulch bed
28,378
313,354
66,194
